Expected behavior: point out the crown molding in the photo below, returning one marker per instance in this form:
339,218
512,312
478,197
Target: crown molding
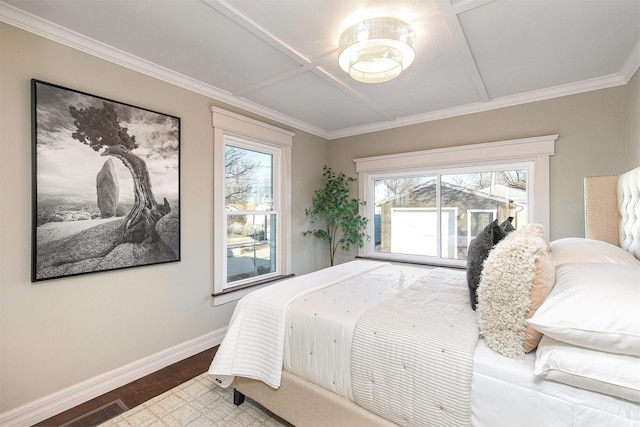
64,36
632,63
506,101
59,34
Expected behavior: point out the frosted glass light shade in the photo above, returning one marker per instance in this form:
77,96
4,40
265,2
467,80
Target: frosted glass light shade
377,50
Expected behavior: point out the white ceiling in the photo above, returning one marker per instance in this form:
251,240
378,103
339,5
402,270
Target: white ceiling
278,58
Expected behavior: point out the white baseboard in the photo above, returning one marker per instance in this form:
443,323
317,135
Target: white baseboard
53,404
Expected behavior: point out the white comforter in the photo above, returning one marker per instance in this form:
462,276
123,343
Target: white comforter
253,344
320,324
412,358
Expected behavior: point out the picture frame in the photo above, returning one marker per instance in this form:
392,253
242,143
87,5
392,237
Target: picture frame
105,184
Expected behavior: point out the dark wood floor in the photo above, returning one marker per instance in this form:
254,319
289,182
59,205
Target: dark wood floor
101,408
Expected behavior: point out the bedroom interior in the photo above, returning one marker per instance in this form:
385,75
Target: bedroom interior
68,340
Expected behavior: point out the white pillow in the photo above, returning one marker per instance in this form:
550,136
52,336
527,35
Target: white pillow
593,305
577,249
613,374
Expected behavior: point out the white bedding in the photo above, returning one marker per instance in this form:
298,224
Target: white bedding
504,391
412,357
252,346
320,324
526,400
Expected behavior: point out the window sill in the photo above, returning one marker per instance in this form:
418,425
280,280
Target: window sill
237,292
422,263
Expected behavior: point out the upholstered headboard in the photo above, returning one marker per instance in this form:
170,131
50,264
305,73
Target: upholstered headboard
612,209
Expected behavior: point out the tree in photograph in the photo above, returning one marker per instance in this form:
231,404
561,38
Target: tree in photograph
336,214
99,128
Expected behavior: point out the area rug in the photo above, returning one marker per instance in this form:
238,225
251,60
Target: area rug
198,402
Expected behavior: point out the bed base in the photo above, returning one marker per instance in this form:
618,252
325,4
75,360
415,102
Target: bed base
303,403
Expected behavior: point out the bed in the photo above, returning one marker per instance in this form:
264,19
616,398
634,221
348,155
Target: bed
370,343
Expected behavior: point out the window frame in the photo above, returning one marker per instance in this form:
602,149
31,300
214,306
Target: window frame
262,137
249,145
532,153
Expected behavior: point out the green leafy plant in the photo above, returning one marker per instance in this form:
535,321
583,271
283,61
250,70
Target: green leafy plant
335,214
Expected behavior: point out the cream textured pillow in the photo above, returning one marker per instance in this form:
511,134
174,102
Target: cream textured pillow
593,305
613,374
543,282
577,249
517,276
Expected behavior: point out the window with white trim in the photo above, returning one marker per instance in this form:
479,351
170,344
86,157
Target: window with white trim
427,206
252,186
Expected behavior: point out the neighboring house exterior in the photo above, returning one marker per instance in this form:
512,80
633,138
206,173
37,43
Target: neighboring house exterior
400,222
517,196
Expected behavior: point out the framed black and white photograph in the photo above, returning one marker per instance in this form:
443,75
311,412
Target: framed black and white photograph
106,184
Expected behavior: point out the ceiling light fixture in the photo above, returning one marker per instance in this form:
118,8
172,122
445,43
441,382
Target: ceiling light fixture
377,50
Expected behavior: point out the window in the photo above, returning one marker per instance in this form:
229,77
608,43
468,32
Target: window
437,214
427,206
252,221
251,204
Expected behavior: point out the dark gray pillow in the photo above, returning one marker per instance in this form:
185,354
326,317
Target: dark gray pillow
479,249
507,225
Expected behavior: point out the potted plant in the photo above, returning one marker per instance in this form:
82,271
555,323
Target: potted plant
335,214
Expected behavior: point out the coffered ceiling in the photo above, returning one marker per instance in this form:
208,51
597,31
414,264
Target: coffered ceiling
278,58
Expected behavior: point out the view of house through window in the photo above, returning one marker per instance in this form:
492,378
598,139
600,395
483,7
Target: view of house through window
438,214
250,216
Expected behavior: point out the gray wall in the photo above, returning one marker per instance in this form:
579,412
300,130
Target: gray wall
592,128
57,333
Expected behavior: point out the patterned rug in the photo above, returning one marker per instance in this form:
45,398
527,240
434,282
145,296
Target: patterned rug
198,402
